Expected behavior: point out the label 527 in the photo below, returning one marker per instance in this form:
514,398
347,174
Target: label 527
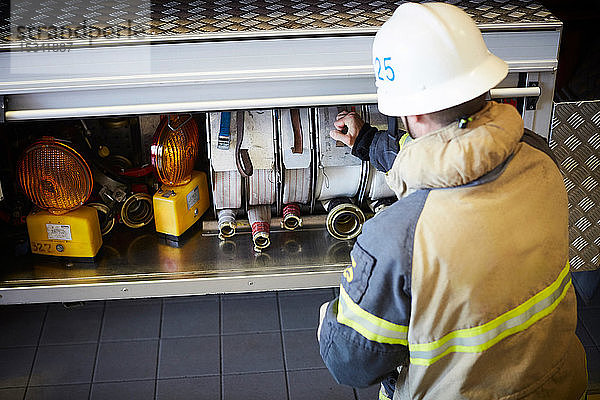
41,247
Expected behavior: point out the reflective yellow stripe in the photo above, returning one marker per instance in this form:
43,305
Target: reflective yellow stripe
403,141
480,338
383,394
367,324
477,330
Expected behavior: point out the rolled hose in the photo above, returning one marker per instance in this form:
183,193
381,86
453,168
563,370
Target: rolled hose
344,219
226,223
137,210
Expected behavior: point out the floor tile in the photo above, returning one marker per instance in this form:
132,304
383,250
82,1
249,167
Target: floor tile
250,314
124,361
15,365
595,300
184,357
252,353
133,302
72,325
20,328
591,320
316,384
306,292
63,392
302,312
183,299
580,301
593,363
94,303
248,295
583,335
135,321
268,385
370,393
78,304
12,393
133,390
23,308
302,350
202,388
65,364
191,318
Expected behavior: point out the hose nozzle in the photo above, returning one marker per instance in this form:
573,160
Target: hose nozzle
137,210
259,218
344,219
105,217
226,223
291,217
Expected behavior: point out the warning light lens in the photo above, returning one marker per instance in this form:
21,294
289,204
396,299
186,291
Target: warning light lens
175,149
54,176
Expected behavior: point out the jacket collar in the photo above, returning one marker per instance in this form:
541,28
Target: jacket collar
452,156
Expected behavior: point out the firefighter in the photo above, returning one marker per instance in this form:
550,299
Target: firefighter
461,289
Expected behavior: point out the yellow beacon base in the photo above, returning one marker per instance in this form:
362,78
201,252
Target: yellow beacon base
75,234
176,208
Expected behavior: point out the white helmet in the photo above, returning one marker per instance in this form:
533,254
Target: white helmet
428,57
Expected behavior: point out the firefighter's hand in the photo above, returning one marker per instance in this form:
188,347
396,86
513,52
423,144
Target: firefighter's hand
322,312
347,126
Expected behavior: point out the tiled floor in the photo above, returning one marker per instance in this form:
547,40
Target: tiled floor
251,346
254,346
588,330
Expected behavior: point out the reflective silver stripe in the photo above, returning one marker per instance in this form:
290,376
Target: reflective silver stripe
475,343
368,325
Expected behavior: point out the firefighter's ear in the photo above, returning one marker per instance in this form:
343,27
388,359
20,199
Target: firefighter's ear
420,125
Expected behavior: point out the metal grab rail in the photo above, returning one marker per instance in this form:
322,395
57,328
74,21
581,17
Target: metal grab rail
502,93
281,102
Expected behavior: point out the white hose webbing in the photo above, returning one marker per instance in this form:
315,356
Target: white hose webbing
262,187
296,188
228,190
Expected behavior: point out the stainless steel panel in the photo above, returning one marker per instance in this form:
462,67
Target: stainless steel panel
231,75
575,140
538,119
234,62
124,21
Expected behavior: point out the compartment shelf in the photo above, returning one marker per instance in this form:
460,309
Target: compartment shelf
138,263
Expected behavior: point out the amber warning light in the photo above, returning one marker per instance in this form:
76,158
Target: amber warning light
54,176
183,196
58,181
175,149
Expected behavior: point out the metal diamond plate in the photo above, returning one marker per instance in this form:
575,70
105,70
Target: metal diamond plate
87,20
575,140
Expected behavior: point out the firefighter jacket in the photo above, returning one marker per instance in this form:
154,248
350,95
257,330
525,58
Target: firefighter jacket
463,284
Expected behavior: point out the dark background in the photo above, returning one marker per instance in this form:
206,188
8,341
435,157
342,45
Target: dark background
578,75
